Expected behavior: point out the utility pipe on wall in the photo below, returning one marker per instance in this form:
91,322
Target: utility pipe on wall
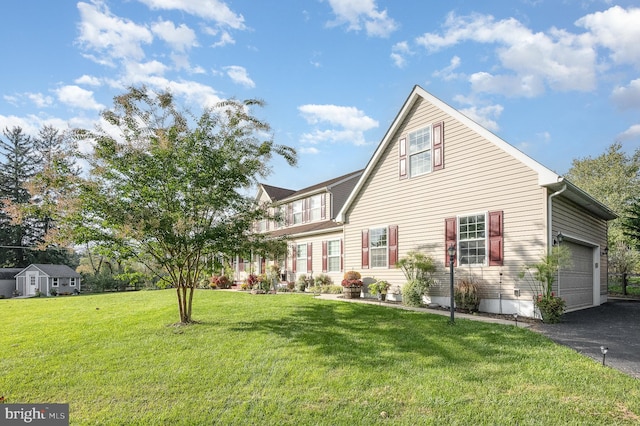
550,216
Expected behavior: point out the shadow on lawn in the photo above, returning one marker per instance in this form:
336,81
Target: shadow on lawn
370,336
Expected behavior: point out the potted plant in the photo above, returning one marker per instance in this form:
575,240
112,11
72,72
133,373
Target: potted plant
545,271
380,288
352,285
220,281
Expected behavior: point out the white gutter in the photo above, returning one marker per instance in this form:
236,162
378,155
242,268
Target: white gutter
550,216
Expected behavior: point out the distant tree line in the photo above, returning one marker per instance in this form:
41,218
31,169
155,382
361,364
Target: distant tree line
37,175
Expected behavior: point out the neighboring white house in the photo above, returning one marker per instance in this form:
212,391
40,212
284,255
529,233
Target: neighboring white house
47,279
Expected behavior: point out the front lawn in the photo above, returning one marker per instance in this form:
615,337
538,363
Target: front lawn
293,359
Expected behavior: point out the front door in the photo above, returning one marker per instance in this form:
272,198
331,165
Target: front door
32,283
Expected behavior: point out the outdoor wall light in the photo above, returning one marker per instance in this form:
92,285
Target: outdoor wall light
560,238
604,351
452,254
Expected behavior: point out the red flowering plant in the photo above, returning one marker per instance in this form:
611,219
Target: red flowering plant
352,279
252,280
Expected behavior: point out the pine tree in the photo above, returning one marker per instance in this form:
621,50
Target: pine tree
19,164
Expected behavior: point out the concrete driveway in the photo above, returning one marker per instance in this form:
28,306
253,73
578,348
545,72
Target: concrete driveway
615,325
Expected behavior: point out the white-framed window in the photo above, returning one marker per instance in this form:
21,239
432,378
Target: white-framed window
472,239
420,151
333,256
315,206
279,217
72,282
54,281
301,258
297,212
378,247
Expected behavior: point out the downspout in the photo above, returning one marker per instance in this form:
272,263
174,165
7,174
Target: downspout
550,231
550,215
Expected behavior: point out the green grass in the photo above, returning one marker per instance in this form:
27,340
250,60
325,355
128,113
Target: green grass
293,359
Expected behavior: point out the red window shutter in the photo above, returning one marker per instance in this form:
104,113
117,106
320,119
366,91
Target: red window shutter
496,247
438,145
402,150
324,256
294,258
450,232
365,249
309,257
393,245
341,256
323,206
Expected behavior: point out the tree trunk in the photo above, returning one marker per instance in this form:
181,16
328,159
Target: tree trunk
184,303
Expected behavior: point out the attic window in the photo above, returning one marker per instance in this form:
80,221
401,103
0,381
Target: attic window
297,212
314,208
420,152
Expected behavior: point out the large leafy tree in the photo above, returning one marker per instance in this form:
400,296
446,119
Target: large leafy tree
169,190
613,178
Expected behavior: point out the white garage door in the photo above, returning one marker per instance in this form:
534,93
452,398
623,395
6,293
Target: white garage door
576,281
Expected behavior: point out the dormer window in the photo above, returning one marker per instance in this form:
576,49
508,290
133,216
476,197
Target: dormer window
297,212
315,208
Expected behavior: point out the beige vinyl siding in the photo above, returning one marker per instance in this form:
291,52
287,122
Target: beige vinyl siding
316,254
478,177
574,222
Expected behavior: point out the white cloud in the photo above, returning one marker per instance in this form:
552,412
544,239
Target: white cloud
180,38
40,100
309,150
447,73
88,80
239,75
399,53
508,85
225,37
631,133
78,97
618,30
31,124
213,10
140,72
351,124
558,59
110,36
362,13
627,97
485,116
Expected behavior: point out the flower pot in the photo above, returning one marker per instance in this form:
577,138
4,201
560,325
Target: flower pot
351,292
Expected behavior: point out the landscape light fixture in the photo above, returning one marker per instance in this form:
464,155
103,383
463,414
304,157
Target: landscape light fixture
604,351
515,317
452,254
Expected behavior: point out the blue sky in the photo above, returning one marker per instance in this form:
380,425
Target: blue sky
558,79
